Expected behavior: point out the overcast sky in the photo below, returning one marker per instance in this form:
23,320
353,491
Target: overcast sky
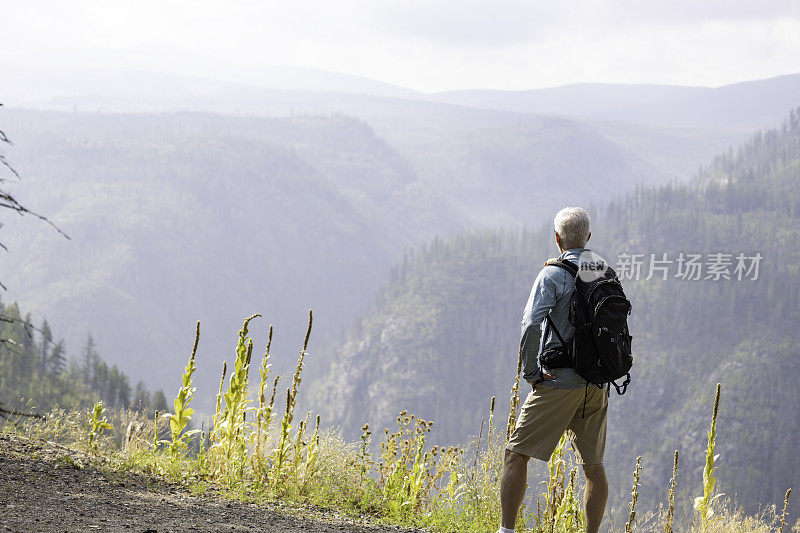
427,45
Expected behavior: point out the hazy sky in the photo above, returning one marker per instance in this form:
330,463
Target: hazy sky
427,45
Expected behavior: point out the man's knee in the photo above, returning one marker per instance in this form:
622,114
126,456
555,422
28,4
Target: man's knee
595,473
515,459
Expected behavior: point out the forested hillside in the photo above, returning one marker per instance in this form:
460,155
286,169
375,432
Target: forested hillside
37,372
185,216
443,336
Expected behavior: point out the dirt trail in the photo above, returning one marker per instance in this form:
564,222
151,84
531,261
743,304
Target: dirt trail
45,487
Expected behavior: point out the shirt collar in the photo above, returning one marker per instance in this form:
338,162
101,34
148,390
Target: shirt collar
573,253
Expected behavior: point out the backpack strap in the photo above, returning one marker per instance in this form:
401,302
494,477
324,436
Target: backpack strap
551,324
569,266
572,268
623,387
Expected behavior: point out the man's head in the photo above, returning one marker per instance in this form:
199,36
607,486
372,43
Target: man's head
572,228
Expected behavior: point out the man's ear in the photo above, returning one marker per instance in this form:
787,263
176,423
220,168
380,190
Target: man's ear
558,239
589,237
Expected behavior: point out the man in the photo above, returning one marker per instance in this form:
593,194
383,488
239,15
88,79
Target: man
560,400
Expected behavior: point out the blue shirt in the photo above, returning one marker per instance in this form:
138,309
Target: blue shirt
551,294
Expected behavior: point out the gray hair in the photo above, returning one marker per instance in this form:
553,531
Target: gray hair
572,225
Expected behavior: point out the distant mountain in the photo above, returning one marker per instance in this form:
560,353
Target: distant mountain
443,336
579,100
114,87
671,128
747,105
40,82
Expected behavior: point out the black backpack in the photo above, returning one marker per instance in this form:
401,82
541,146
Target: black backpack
600,352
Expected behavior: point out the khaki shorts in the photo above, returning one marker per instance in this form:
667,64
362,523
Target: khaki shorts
548,412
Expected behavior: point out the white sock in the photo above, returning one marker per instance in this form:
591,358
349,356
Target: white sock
505,530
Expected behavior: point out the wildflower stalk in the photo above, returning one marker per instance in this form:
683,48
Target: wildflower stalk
364,458
555,482
183,413
230,425
568,517
298,448
284,441
671,496
487,463
634,497
219,398
312,451
282,450
784,513
264,410
514,402
703,503
155,431
296,379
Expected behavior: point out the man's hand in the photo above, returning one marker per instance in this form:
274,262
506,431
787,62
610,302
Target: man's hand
545,377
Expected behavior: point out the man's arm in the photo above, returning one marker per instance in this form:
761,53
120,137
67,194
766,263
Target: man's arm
543,297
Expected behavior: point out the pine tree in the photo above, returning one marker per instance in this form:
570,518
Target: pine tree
141,398
100,379
27,338
47,339
123,391
88,360
160,401
57,360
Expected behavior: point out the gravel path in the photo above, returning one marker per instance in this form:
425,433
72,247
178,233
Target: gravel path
46,487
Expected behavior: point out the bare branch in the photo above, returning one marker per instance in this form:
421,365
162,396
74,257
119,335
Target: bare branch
6,163
5,413
8,201
26,325
11,345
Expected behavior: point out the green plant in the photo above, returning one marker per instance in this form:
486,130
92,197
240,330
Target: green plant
785,509
263,415
284,437
219,397
671,495
364,458
514,401
281,451
312,454
229,448
183,413
703,504
569,516
97,424
555,484
405,464
558,506
634,496
489,433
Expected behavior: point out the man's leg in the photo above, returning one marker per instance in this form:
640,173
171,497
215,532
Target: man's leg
594,503
512,487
